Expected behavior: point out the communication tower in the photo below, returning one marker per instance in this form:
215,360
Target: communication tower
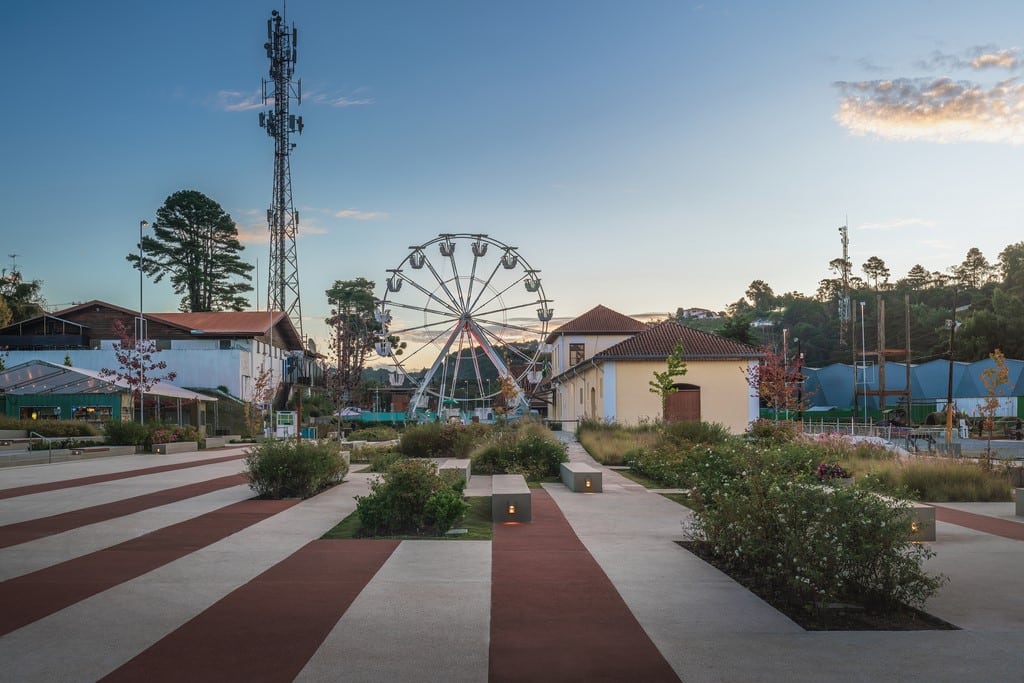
282,218
844,298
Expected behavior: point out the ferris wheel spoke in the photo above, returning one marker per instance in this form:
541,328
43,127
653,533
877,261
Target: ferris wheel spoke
452,306
431,326
485,285
496,295
456,303
497,324
506,344
504,309
420,309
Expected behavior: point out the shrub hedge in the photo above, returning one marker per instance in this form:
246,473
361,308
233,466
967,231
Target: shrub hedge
289,469
54,428
411,498
528,449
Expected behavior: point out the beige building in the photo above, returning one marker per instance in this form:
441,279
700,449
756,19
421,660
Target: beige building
603,362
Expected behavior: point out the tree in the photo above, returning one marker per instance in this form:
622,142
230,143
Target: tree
22,300
876,270
995,379
917,277
975,270
136,366
1011,267
354,331
196,242
774,381
5,313
761,295
737,327
664,384
262,392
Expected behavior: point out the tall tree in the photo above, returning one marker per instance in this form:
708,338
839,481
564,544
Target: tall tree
975,269
761,295
876,270
917,277
737,327
23,298
196,242
354,331
1011,267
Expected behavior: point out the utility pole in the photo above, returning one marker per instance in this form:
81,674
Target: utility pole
282,218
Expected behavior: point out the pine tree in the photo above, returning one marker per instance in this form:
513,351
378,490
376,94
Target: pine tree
196,242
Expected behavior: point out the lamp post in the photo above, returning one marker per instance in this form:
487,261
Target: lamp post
140,334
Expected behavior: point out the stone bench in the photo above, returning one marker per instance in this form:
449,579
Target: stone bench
216,441
581,477
461,466
510,499
175,447
921,518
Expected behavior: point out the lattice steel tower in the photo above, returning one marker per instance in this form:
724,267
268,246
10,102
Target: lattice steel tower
282,218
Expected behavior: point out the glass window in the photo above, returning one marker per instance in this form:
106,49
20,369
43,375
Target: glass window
576,354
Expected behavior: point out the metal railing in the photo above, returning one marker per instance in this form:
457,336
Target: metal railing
49,444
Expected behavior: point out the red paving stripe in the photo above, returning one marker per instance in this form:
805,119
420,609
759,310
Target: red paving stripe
30,530
989,525
269,628
114,476
555,615
41,593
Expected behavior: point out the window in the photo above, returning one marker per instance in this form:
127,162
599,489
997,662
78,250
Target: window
225,344
576,354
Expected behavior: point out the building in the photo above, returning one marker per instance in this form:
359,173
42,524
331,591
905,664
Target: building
40,390
226,349
603,363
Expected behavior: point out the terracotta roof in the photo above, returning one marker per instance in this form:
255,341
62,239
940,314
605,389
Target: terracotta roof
599,320
222,322
660,341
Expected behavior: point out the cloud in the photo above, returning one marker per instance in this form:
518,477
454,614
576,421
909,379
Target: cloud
258,233
935,110
978,58
898,224
339,99
234,100
360,215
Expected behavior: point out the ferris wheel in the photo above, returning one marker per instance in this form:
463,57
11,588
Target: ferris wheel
464,319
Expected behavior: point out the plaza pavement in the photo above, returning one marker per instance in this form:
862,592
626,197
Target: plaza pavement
204,583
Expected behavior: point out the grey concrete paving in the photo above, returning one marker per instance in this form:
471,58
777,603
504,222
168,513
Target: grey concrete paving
425,617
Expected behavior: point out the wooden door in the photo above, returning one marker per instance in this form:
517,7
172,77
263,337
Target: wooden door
683,405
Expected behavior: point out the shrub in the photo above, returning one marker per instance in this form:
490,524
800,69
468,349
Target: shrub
290,469
529,450
694,432
157,432
810,546
437,440
374,434
411,498
52,428
775,432
381,459
126,433
609,443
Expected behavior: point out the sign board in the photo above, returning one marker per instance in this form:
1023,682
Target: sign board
286,423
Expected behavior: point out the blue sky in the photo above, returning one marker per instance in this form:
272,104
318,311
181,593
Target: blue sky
643,155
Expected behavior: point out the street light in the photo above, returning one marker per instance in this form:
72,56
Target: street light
140,334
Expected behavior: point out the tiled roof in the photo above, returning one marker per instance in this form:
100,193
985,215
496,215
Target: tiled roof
599,320
222,322
660,341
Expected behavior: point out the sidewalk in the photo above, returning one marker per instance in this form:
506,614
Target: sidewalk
427,610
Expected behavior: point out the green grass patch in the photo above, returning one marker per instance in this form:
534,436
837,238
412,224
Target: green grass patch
608,444
477,523
646,482
681,498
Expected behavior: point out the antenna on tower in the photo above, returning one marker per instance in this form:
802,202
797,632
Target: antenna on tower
282,218
14,265
844,298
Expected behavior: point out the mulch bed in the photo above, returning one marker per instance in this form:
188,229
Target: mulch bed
831,618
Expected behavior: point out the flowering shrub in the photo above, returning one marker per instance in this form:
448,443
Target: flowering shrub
809,546
768,430
830,470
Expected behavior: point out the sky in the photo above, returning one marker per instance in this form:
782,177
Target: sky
642,155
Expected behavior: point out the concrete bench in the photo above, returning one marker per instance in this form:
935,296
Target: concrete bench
461,466
216,441
175,447
510,499
581,477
